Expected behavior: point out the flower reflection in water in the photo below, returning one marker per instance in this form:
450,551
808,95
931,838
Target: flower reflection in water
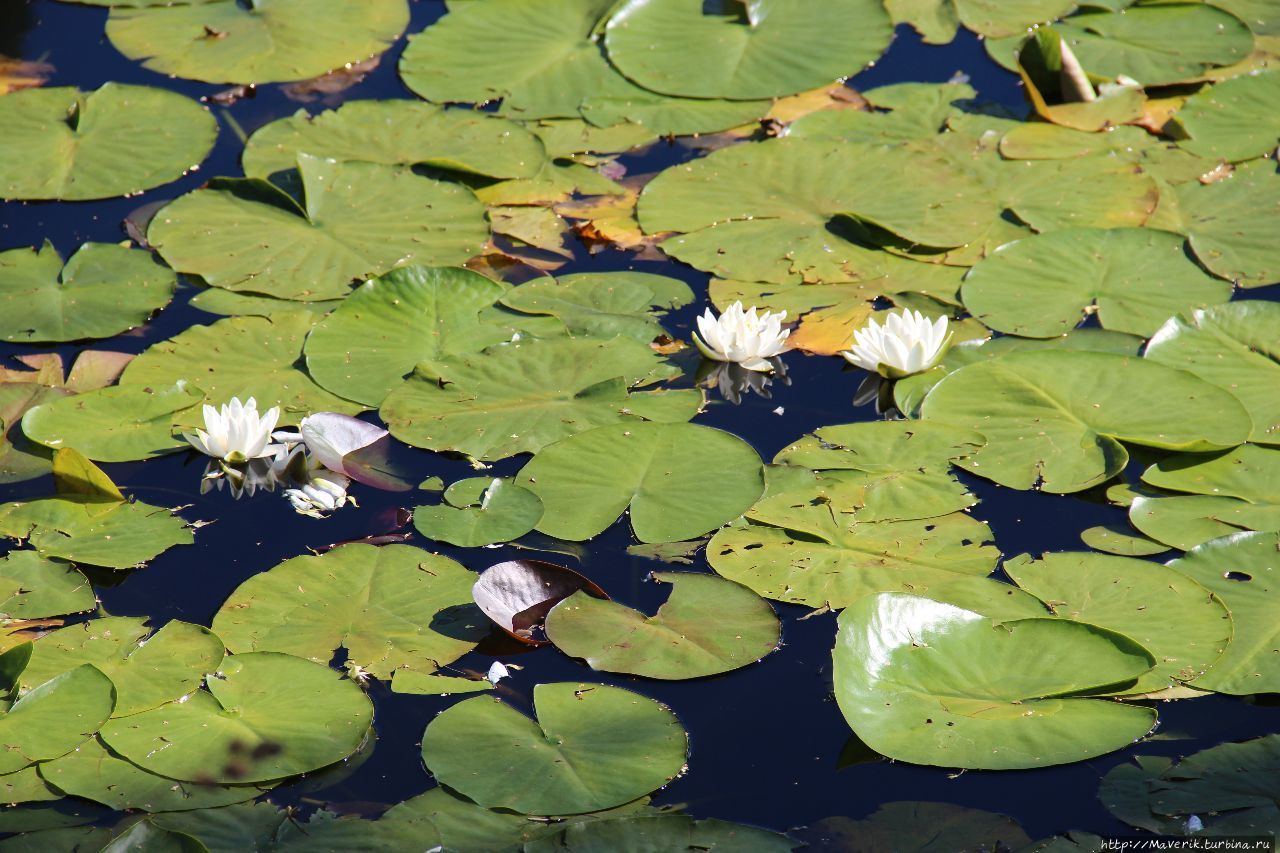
732,380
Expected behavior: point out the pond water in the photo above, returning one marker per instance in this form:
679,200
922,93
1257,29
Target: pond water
768,743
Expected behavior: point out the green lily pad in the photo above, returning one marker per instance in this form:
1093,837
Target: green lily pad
398,133
241,357
930,683
356,220
520,397
1235,347
1177,620
1113,539
103,290
388,325
768,211
903,112
762,49
430,684
658,831
54,718
480,511
1054,420
20,458
1088,192
1231,223
666,116
26,786
264,716
114,536
389,607
937,20
1233,120
61,143
230,303
706,627
1133,278
679,480
265,41
1185,521
147,669
32,587
115,424
1241,571
919,827
93,772
592,747
603,304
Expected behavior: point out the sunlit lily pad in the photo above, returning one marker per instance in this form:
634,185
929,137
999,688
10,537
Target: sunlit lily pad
1235,119
1241,570
115,536
355,220
398,133
1054,420
679,480
20,458
103,290
32,587
763,49
264,716
937,20
1185,521
592,747
55,717
61,143
1134,279
231,303
115,424
667,116
224,41
1119,540
431,684
1231,223
707,626
603,304
1176,619
480,511
930,683
389,607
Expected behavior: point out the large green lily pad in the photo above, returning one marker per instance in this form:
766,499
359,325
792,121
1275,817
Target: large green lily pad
937,20
114,424
20,458
707,626
1132,278
61,143
241,357
388,325
356,220
32,587
520,397
1231,223
930,683
54,717
1235,347
389,607
398,133
264,716
111,535
592,747
1177,620
103,290
762,49
224,41
1055,420
619,116
603,304
480,511
1185,521
679,480
1241,570
1235,119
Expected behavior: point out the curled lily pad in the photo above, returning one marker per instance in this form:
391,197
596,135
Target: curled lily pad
223,41
480,511
54,717
263,716
518,594
61,143
115,424
707,626
32,587
389,607
592,747
352,220
930,683
103,290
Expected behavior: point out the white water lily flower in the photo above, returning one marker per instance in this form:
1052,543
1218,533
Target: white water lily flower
323,492
237,433
907,343
742,336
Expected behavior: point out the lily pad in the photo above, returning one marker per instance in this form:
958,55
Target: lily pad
1054,420
1231,223
1233,120
32,587
61,143
116,424
902,112
592,747
762,49
103,290
355,220
398,133
114,536
1241,571
1133,278
931,683
520,397
241,357
480,511
1235,347
1185,521
1177,620
264,716
1114,539
919,827
265,41
661,831
388,325
603,304
430,684
389,607
706,627
661,115
230,303
20,458
937,20
679,480
54,718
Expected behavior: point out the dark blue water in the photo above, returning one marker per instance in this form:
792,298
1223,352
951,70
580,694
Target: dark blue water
768,743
